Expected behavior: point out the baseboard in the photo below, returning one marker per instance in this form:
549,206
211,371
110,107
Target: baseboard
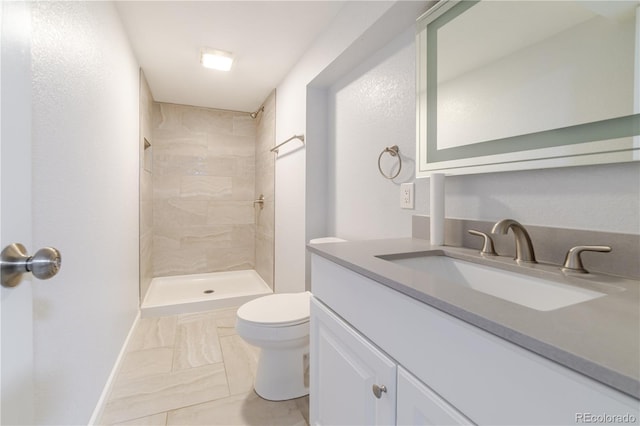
97,412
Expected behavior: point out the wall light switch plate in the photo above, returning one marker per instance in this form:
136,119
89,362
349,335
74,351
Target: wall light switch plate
406,195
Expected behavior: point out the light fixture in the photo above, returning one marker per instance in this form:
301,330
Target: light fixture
216,59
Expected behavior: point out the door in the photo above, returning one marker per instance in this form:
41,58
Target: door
16,359
352,382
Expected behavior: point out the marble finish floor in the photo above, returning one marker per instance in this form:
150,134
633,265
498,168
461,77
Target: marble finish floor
193,369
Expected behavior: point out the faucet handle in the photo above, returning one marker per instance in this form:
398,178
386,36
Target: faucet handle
573,262
487,246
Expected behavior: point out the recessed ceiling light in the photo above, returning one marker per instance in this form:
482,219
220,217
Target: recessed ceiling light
216,59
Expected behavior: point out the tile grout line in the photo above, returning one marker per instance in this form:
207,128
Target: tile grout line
224,363
129,351
176,340
218,337
175,346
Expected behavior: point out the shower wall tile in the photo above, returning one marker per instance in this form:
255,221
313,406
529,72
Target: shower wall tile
231,213
225,145
164,243
169,163
146,187
244,125
184,260
265,220
231,259
217,187
176,213
146,262
264,184
245,166
208,120
264,255
203,190
146,202
219,237
243,188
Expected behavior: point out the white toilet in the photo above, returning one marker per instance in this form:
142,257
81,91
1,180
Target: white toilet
279,325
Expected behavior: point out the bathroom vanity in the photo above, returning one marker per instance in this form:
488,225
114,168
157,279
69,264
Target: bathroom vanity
393,344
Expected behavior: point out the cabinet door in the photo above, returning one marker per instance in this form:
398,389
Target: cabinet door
419,405
344,369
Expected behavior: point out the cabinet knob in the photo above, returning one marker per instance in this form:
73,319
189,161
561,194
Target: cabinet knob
377,390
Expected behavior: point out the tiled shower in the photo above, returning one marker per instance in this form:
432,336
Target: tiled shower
201,171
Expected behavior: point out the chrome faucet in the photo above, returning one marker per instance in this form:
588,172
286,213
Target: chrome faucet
573,262
524,247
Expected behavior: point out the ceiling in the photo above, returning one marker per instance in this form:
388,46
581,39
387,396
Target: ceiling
266,37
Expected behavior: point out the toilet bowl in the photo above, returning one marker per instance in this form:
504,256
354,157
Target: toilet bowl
279,325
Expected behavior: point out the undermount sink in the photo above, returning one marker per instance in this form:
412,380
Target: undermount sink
525,290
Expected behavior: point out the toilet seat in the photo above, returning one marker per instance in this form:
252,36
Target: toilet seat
277,310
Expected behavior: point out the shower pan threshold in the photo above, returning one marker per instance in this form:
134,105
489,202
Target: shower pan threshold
181,294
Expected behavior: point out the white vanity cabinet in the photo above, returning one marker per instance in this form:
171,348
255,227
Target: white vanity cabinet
419,405
354,383
344,369
436,368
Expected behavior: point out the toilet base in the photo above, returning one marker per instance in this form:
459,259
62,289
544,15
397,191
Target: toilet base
283,374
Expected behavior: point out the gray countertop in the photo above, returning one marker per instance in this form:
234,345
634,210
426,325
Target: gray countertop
599,338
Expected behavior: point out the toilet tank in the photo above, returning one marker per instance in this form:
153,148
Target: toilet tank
326,240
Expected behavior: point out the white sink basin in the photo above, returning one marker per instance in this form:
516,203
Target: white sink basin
532,292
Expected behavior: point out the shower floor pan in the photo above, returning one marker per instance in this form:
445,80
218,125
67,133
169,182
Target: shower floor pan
181,294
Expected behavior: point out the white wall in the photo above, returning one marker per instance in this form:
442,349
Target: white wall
370,105
369,109
290,232
85,201
373,107
359,29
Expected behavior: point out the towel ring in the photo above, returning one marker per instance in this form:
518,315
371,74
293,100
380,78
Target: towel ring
394,151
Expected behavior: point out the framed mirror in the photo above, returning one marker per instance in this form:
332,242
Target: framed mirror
515,85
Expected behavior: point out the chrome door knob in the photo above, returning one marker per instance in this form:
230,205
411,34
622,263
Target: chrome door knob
14,261
378,390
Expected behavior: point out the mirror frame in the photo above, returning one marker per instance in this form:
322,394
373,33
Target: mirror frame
608,141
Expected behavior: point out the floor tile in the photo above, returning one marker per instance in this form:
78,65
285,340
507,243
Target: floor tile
240,360
226,321
159,419
243,409
131,399
153,333
197,342
146,362
303,406
193,369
